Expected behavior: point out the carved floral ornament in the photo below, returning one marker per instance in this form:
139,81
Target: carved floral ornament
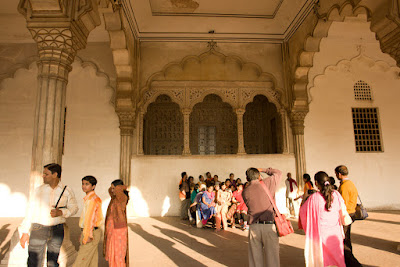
237,97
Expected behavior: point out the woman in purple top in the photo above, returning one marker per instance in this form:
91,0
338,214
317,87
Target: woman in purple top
207,207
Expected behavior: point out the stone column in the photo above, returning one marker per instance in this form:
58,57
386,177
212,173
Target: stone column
239,114
126,121
297,120
141,129
60,29
285,133
186,131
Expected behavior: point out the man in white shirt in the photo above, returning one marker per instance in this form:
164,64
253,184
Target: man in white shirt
43,225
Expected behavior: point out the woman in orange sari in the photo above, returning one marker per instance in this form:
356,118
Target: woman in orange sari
116,229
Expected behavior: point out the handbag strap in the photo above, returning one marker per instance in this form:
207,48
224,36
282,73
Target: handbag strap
359,199
60,196
270,198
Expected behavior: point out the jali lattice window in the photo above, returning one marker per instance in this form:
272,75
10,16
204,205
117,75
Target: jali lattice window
362,91
366,129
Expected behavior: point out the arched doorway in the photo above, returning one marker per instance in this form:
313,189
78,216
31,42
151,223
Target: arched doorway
213,127
163,128
261,124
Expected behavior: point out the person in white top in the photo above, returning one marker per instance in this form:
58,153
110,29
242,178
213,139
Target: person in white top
48,208
291,194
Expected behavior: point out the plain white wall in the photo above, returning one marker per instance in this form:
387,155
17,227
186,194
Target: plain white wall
155,179
329,138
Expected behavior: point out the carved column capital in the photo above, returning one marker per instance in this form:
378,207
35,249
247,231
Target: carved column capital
186,111
61,25
297,121
240,111
126,122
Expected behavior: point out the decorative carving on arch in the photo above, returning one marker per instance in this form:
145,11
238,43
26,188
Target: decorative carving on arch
247,96
176,95
228,95
208,70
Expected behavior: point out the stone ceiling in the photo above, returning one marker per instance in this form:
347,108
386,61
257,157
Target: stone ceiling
262,20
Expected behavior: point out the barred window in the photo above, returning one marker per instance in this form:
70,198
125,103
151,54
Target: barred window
366,129
362,91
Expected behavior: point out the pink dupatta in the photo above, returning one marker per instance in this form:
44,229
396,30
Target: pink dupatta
324,231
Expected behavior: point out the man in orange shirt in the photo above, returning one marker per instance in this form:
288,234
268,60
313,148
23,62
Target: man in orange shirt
89,222
349,193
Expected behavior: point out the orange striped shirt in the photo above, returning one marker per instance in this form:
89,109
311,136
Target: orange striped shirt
91,216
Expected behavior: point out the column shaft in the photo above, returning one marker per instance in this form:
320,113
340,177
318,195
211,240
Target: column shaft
239,114
141,152
186,131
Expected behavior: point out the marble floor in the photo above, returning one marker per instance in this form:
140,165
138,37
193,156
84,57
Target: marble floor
169,241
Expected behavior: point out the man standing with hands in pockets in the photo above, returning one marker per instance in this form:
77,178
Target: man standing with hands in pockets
42,228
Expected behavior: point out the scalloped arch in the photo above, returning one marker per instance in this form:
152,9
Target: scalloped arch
210,66
345,64
154,96
312,43
84,64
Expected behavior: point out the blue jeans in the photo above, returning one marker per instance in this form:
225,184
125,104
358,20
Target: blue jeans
41,237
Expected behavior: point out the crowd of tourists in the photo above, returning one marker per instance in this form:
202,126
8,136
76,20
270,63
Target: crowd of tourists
53,202
213,200
324,211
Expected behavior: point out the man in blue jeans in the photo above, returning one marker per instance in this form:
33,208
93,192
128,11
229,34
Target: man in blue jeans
43,226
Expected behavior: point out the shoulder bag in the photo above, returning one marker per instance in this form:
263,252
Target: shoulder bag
283,225
361,212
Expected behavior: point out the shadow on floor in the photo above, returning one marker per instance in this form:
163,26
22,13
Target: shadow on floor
4,245
165,246
383,221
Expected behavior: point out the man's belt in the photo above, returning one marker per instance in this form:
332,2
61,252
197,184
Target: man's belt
264,222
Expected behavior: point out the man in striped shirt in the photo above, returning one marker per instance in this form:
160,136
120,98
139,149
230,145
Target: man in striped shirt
90,221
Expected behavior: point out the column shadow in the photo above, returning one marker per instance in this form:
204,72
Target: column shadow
4,246
373,242
165,246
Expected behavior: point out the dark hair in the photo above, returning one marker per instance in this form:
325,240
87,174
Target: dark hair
308,178
120,182
342,170
326,188
221,184
252,174
231,174
238,179
54,167
91,179
216,175
332,181
246,184
183,174
190,177
196,186
200,176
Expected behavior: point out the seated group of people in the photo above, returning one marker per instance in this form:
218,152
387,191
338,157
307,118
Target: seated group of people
212,199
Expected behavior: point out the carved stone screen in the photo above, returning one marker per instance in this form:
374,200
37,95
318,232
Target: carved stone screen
163,128
261,125
209,114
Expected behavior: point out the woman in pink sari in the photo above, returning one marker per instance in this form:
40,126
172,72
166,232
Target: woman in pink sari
116,229
322,217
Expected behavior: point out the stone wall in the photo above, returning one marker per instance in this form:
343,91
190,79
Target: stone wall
91,141
351,53
155,179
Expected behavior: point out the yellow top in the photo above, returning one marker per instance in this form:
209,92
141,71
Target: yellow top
349,193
